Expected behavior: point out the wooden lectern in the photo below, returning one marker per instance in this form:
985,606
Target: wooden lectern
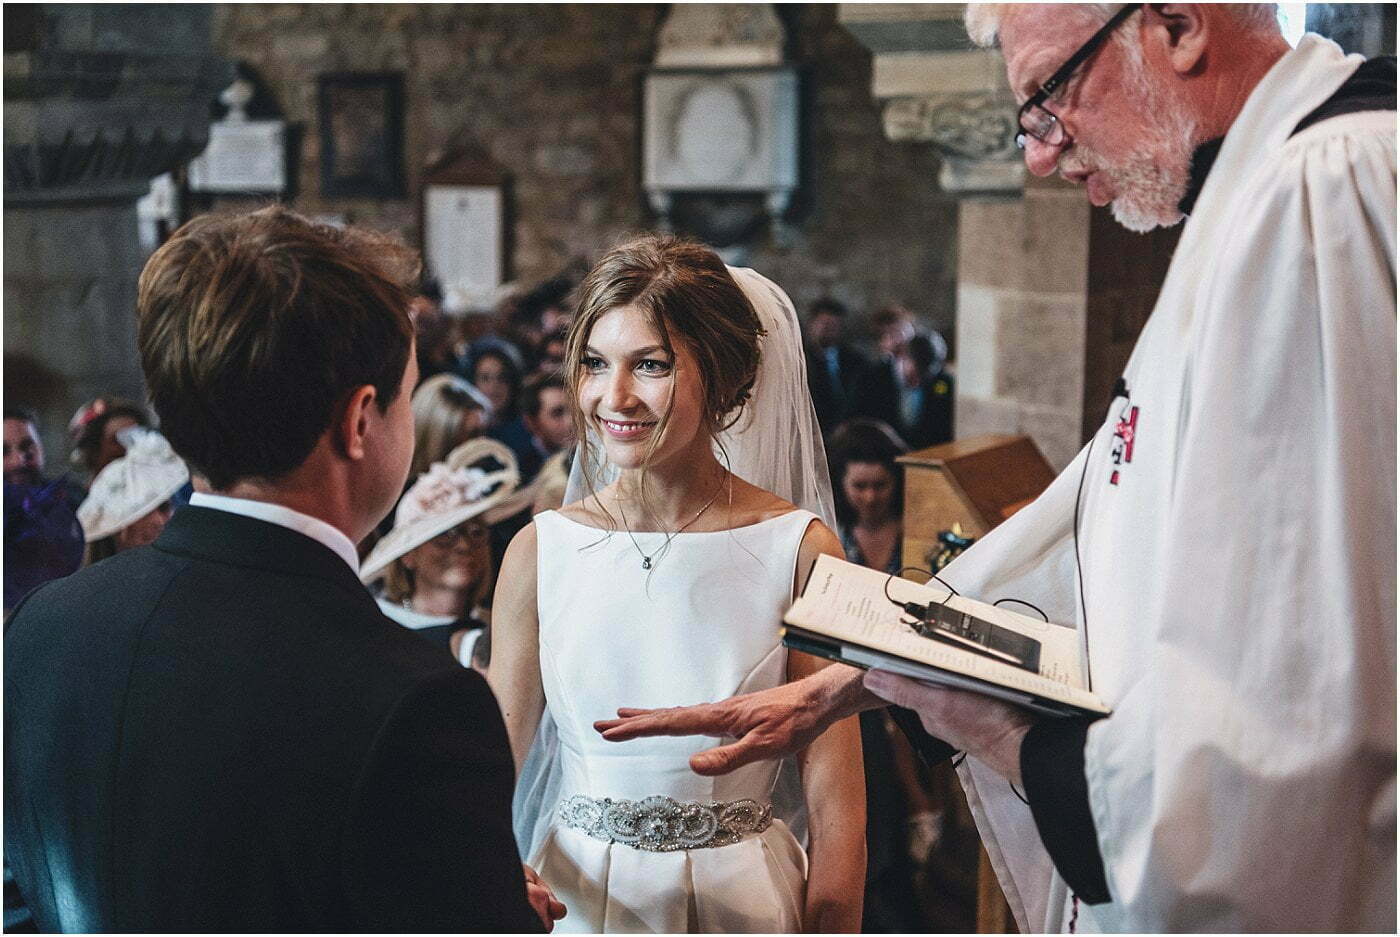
975,483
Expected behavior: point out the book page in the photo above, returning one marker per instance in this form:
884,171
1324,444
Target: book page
847,602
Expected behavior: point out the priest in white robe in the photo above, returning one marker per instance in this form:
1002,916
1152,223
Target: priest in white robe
1225,544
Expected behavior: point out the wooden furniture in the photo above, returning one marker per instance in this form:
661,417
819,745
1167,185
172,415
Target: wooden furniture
975,483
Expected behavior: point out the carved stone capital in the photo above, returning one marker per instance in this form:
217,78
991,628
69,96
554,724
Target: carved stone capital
100,101
934,87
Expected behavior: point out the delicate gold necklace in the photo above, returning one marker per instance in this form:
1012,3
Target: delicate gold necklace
656,556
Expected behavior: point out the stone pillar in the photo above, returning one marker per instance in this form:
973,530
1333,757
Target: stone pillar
1052,293
98,101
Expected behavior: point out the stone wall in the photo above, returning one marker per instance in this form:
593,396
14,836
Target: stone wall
552,93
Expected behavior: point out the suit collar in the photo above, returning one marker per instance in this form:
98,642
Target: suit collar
222,537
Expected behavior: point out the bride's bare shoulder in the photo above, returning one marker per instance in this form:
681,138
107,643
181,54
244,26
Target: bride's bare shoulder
754,505
594,511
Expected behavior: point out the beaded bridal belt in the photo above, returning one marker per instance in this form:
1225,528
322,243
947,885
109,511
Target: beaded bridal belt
660,824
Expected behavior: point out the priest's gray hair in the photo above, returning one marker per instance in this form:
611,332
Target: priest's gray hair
983,20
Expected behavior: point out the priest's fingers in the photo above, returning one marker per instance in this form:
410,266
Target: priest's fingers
987,729
704,719
904,692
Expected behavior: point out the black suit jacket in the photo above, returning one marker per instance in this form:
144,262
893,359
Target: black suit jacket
831,399
221,732
878,397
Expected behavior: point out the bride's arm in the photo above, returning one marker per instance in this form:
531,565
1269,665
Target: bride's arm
833,784
514,674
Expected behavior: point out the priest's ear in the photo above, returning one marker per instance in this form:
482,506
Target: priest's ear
1180,32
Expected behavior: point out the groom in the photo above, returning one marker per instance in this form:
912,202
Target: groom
220,732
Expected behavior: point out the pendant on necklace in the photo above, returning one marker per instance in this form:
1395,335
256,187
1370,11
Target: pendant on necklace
646,562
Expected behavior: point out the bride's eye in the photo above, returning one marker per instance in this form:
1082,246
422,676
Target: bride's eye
654,366
591,363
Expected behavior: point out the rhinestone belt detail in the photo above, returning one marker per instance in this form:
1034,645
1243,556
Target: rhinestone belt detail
660,824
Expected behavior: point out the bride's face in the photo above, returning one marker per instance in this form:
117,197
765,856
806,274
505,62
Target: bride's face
632,389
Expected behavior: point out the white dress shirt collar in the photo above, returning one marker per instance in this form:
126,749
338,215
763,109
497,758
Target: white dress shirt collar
305,524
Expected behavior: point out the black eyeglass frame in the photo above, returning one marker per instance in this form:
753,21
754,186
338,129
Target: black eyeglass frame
1063,74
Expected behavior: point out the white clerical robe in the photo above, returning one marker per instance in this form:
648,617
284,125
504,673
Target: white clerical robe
1237,541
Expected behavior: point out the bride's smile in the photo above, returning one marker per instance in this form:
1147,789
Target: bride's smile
644,399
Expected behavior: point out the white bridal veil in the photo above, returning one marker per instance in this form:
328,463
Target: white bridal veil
776,444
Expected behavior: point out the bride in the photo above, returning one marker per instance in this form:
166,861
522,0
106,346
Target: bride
664,584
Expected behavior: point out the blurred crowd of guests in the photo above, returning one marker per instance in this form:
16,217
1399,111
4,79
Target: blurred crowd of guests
494,440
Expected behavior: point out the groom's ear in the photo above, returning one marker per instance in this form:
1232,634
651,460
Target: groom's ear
353,423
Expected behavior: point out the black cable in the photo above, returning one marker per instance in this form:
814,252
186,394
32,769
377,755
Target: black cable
1019,796
958,759
1078,567
918,569
1044,617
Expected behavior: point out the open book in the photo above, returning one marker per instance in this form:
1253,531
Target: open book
843,614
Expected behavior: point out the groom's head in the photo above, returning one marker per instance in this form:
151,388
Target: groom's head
273,345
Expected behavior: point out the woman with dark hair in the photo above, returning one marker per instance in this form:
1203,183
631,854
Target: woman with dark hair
494,372
869,492
94,430
688,528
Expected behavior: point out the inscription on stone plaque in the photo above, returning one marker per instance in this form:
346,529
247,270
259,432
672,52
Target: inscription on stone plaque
242,157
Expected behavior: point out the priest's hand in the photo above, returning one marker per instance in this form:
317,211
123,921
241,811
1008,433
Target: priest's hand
768,724
989,730
541,898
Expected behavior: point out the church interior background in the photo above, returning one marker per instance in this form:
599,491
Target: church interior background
865,156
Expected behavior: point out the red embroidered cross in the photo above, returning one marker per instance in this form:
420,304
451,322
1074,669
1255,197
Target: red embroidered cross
1127,431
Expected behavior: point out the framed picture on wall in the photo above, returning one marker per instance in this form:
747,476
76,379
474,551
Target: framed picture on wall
361,130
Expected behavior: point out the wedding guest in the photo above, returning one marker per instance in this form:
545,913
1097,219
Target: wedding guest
94,430
833,366
869,489
549,352
496,374
24,458
220,732
925,391
24,453
433,332
129,502
547,417
436,561
877,389
447,411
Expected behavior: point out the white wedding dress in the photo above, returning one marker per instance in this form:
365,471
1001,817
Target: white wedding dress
702,625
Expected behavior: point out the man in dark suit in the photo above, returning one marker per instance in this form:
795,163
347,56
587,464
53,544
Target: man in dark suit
907,387
220,732
926,394
833,367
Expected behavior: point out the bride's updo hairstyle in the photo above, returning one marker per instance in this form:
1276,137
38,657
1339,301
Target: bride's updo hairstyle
687,295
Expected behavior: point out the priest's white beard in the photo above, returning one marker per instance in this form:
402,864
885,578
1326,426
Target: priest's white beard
1152,179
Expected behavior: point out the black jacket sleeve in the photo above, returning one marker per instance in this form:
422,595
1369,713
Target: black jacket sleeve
429,847
1052,768
932,750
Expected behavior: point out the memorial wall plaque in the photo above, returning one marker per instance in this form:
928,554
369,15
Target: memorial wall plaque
464,235
247,156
